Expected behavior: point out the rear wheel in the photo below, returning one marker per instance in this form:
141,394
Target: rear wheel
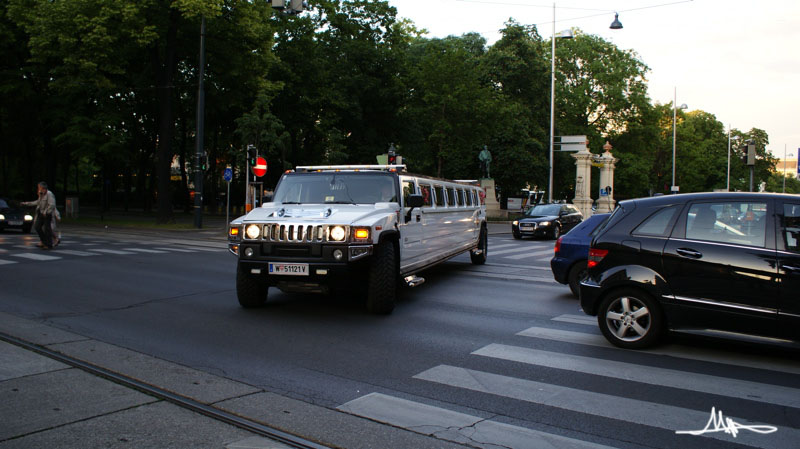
631,319
249,290
576,273
382,282
479,255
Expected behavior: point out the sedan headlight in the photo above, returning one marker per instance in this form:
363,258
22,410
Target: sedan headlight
515,222
2,217
28,217
544,223
338,234
252,231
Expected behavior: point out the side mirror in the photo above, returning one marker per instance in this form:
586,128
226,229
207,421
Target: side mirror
414,201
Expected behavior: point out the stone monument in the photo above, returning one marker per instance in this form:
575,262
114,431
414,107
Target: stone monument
487,183
606,201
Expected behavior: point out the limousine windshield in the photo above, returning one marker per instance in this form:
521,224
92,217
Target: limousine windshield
336,188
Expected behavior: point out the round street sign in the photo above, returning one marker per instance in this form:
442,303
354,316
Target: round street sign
227,175
260,169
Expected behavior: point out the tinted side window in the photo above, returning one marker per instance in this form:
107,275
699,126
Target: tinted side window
439,195
790,227
468,198
742,223
657,224
427,198
451,197
460,197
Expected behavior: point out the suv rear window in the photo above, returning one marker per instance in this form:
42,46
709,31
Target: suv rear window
657,224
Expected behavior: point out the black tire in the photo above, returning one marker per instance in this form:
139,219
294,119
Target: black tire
631,319
249,289
556,232
26,229
516,234
382,282
576,273
479,257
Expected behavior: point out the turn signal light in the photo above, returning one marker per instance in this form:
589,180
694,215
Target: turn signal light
361,233
233,232
595,256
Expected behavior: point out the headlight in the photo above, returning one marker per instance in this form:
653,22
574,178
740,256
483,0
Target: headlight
337,233
2,217
29,218
515,223
544,223
252,231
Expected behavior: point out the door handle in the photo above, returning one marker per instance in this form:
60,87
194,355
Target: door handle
689,253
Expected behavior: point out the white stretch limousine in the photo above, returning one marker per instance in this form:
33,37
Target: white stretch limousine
364,226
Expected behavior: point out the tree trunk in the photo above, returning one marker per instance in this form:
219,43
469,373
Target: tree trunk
165,74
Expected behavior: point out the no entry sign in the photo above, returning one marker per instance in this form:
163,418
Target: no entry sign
260,169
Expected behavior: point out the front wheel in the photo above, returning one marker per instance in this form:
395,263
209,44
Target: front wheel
479,255
556,232
249,290
631,319
382,282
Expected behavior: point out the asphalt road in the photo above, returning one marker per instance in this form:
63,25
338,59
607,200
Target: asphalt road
483,355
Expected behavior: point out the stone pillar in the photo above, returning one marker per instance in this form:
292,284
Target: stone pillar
606,201
492,206
583,181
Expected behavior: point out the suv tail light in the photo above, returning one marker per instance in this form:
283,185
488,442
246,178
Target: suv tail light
558,244
595,256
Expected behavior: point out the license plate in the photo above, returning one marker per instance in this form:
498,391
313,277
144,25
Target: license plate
288,269
526,226
15,222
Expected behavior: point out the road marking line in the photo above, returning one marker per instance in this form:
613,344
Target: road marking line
180,250
577,319
455,426
111,251
508,251
704,383
548,252
7,262
73,252
205,248
751,360
143,250
635,411
39,257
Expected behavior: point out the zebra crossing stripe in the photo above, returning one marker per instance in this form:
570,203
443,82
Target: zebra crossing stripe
505,245
111,251
508,251
143,250
645,413
73,252
7,262
577,319
753,391
179,250
548,252
33,256
750,360
455,426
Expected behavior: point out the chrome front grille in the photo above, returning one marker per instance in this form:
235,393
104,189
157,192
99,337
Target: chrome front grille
297,233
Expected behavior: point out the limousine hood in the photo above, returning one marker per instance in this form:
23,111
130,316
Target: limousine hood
323,213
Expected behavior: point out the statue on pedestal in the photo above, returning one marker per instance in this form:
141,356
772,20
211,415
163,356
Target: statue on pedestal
485,157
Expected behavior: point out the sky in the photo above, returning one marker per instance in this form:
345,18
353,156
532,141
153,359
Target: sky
738,60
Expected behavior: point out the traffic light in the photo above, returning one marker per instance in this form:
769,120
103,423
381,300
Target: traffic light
392,155
252,154
204,162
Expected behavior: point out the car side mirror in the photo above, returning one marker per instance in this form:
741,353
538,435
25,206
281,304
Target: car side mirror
411,202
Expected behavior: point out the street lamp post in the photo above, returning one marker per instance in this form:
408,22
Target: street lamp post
201,105
674,187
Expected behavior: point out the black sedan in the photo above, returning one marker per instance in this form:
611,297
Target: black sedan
546,220
12,217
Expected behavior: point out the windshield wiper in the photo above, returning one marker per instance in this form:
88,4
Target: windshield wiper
291,202
340,202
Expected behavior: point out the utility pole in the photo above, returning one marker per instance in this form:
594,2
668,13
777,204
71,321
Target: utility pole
201,104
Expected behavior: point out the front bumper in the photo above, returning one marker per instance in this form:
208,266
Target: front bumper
560,268
535,230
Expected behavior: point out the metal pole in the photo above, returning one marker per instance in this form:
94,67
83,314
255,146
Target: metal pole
728,177
784,169
552,104
228,206
247,181
201,104
674,115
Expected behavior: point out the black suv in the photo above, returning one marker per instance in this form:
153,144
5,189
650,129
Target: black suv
725,262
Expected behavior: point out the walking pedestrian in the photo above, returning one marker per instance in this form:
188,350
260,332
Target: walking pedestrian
45,208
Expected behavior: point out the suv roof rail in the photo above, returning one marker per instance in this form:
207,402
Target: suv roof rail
306,168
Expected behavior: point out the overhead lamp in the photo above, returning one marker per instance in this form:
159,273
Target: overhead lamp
616,24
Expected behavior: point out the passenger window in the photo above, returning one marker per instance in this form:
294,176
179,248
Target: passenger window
409,188
439,195
790,227
658,223
451,197
739,223
459,197
425,190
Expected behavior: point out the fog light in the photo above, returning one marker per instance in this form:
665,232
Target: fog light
248,252
337,254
